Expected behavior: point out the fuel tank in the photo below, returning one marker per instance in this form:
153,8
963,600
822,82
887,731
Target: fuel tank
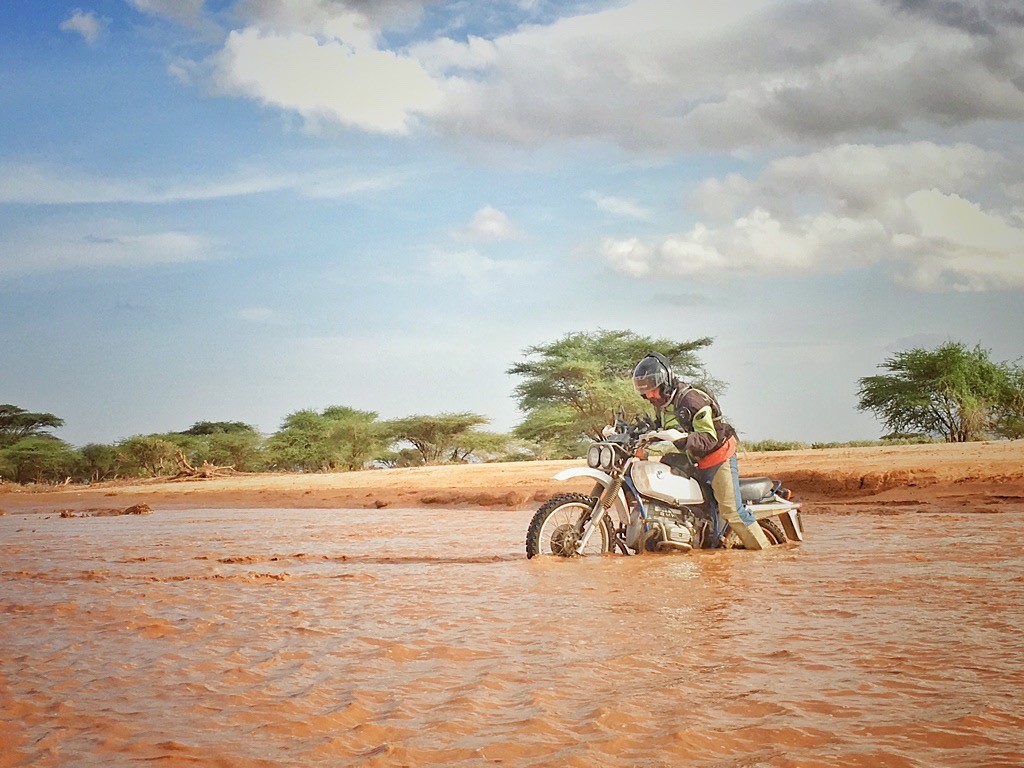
657,481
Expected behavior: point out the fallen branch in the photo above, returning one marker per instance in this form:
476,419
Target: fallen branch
206,471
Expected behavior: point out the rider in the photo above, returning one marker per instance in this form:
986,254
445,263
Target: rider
709,440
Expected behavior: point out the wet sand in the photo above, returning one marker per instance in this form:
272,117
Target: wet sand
423,637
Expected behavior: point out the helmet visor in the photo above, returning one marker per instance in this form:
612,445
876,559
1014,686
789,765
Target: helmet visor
647,385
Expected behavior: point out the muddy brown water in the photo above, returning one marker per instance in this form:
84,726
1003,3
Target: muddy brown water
425,638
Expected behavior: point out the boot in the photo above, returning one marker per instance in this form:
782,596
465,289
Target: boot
726,486
751,535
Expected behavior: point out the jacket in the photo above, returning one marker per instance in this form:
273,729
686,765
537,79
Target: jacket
696,412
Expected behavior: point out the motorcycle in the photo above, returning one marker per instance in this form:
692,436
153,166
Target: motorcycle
639,505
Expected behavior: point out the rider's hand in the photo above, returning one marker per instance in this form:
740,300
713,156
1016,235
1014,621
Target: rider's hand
608,431
667,435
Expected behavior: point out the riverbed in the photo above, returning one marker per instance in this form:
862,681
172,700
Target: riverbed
328,637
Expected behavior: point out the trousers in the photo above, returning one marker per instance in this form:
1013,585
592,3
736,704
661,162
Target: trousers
721,486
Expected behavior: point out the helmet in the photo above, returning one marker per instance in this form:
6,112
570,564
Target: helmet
653,379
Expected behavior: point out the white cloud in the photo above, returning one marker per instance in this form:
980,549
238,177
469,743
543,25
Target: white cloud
84,23
960,247
326,80
312,18
726,75
442,55
320,59
963,223
619,206
488,225
349,20
732,75
102,245
756,243
42,185
904,207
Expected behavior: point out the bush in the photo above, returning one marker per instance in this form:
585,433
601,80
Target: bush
850,444
761,446
910,440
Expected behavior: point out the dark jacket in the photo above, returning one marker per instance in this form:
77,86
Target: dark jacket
698,413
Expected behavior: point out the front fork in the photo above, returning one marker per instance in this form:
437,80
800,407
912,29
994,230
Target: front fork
596,519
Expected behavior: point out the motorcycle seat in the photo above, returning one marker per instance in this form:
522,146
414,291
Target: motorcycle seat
756,488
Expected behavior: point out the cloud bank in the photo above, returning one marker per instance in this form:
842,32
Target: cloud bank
844,109
739,75
727,76
905,208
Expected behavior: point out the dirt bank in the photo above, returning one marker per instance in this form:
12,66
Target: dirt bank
988,473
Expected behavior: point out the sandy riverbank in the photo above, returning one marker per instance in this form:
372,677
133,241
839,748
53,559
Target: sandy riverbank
990,474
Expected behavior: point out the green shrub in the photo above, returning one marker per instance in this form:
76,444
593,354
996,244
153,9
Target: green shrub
760,446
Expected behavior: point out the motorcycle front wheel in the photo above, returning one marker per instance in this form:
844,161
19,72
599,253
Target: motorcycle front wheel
558,525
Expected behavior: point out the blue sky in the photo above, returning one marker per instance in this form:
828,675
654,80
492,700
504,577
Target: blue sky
234,210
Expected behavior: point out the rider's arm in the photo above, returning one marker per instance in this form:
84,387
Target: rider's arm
703,436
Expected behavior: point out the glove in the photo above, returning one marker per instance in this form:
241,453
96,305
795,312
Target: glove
668,435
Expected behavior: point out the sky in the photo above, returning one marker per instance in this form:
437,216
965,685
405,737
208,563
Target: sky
231,210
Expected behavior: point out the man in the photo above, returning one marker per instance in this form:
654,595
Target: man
706,437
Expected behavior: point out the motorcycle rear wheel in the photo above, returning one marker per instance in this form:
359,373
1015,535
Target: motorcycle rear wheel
772,531
558,524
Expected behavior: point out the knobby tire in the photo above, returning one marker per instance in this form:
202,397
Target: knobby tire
533,542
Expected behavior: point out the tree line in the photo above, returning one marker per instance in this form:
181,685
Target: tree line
567,391
337,438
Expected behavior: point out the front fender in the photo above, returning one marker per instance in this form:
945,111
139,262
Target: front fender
593,474
620,506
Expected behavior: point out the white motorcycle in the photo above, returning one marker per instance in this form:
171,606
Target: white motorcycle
639,505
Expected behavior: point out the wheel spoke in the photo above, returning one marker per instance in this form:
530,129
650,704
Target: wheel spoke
558,525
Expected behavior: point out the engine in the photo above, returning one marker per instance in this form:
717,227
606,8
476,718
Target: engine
669,528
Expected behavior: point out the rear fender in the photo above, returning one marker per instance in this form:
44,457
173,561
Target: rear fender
787,513
792,524
620,506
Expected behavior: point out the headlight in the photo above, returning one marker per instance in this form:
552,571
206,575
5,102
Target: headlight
601,456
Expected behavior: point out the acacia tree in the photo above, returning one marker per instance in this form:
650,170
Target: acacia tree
99,462
951,391
1010,415
17,423
219,428
38,459
242,451
232,444
571,386
337,438
444,438
146,455
358,437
